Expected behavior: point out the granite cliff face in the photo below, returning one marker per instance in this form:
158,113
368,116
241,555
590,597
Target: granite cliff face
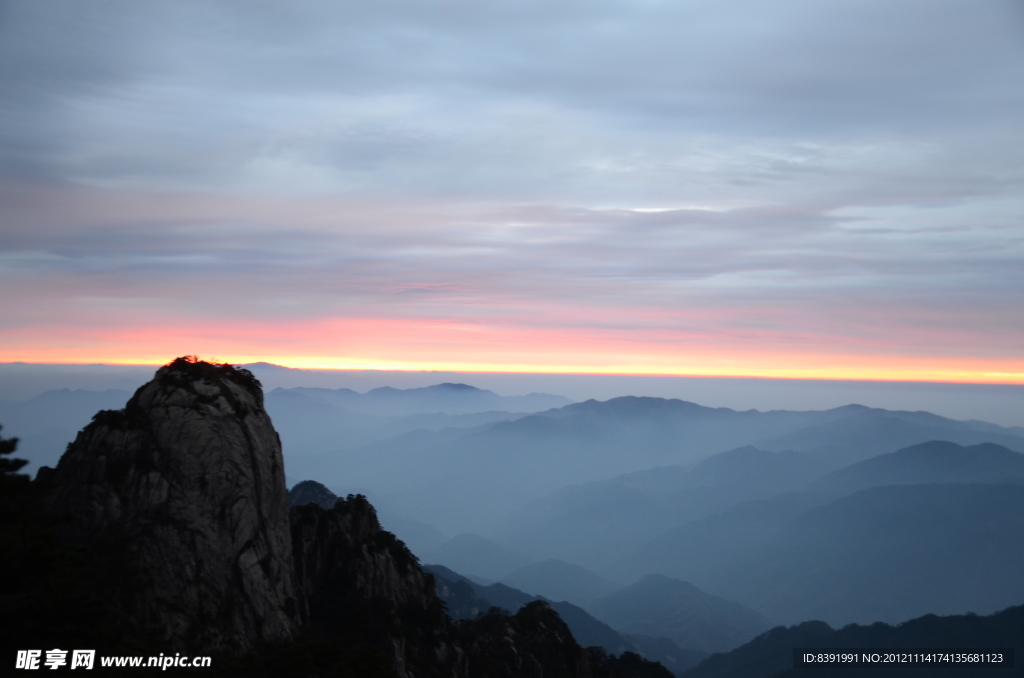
359,583
183,492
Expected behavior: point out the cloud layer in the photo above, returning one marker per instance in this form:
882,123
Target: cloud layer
703,187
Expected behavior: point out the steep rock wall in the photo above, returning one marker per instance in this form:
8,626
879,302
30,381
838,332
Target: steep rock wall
359,583
183,493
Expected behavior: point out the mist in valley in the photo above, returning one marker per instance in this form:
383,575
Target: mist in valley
656,525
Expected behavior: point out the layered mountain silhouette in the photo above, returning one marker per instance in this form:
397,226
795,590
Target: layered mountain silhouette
771,654
932,462
172,512
467,599
450,399
664,619
310,420
887,554
695,551
855,433
903,547
847,515
476,555
596,522
662,607
473,481
317,420
558,580
469,472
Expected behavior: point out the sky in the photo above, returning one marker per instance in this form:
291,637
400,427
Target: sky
793,189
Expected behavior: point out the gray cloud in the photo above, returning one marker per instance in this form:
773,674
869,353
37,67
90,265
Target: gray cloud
499,99
433,157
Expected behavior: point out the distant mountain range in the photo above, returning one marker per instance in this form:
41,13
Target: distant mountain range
467,599
471,482
931,462
310,420
597,522
771,654
878,540
695,551
659,606
558,580
434,451
664,619
919,506
654,607
476,555
451,399
887,554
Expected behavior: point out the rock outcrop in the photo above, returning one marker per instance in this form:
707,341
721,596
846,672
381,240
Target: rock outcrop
533,643
361,587
311,492
358,583
183,494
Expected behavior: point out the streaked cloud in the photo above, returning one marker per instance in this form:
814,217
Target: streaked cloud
685,186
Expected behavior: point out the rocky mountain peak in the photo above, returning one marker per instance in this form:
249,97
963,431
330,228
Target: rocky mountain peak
311,492
183,492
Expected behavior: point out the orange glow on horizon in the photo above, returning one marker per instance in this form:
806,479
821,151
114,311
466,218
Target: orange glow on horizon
429,345
866,372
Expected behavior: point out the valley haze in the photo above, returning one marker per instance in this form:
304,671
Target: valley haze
654,525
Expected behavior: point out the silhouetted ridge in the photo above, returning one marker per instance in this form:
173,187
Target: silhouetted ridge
360,585
311,492
887,554
559,580
936,461
644,406
771,654
536,643
467,600
660,606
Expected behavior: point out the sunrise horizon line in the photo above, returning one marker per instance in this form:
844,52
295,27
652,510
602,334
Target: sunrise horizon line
985,379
